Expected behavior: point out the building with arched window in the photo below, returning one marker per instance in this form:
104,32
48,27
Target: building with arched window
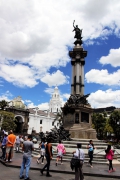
34,119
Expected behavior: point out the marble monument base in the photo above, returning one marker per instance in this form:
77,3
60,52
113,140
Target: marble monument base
78,122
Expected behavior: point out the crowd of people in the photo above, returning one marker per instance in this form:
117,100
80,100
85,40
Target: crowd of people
10,141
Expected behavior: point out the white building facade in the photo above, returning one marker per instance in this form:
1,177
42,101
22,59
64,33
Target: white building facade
41,121
34,119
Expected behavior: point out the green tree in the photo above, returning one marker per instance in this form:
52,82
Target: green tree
108,128
99,122
7,121
3,104
114,121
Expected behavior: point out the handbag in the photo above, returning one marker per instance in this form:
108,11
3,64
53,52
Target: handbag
75,162
64,151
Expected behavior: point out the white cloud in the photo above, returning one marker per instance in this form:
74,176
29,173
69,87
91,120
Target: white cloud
19,75
104,98
6,96
56,78
113,58
49,90
43,106
103,77
34,36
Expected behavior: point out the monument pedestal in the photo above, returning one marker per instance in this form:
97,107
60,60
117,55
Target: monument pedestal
77,119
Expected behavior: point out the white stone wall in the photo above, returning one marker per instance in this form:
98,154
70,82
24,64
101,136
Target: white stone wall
34,123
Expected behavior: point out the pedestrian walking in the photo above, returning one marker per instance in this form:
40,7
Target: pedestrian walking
60,151
79,153
3,145
21,141
27,148
17,143
91,148
109,155
48,154
42,151
11,139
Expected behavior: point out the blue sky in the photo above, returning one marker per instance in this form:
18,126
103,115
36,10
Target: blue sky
35,39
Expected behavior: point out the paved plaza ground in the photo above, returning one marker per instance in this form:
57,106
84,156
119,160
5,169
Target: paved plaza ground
10,173
11,170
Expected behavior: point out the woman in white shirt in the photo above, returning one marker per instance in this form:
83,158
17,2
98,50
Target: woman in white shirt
80,154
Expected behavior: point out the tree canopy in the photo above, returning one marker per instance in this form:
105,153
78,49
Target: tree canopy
7,120
3,104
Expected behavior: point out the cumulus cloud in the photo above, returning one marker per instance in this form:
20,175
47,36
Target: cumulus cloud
19,75
104,98
103,77
6,96
34,38
56,78
43,106
113,58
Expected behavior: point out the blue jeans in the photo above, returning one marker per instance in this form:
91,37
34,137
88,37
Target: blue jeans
3,151
47,164
25,164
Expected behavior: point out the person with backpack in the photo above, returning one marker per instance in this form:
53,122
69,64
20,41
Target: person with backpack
42,151
79,153
109,155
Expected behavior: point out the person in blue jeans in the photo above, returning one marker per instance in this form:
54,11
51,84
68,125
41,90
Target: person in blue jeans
48,154
4,141
28,147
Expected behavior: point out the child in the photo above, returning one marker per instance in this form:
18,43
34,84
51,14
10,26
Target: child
60,152
42,151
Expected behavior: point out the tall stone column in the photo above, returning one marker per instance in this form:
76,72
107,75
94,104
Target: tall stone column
77,78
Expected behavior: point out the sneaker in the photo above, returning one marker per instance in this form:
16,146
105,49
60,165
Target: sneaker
110,171
27,178
91,166
42,163
10,160
48,175
37,161
6,160
61,163
22,177
113,170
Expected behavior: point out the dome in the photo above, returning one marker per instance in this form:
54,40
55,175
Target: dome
17,102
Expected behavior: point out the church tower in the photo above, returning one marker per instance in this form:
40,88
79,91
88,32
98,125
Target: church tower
55,102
